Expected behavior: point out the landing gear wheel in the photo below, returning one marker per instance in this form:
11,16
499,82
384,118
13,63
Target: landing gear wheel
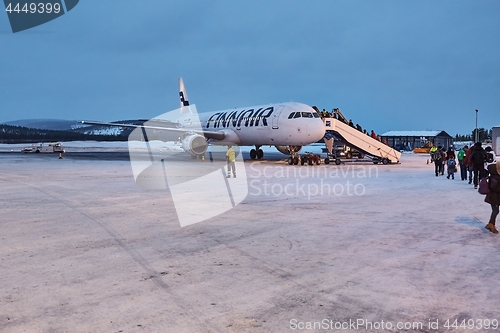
309,162
337,161
318,161
385,161
290,161
253,154
327,160
302,161
260,154
295,160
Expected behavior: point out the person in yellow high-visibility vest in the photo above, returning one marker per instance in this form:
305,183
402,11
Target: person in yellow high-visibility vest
231,158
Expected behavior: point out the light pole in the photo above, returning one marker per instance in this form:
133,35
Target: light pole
477,134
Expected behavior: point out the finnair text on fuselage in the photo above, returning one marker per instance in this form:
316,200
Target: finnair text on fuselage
250,117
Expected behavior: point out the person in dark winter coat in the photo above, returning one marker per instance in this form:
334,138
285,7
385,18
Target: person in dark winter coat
443,161
451,163
468,162
437,159
493,198
478,159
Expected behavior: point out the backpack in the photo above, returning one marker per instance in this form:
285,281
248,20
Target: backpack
436,156
477,157
489,157
451,163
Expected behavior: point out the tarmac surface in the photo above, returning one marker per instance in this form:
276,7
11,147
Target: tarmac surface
391,248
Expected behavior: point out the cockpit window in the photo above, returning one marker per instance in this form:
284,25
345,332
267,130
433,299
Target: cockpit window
315,115
297,115
307,115
291,115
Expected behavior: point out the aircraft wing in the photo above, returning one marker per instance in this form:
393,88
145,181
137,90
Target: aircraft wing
207,134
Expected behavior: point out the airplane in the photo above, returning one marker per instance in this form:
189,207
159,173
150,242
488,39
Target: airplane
287,126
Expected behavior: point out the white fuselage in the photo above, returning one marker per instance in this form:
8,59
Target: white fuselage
281,124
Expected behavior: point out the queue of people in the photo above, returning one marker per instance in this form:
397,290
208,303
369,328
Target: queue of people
472,161
339,116
480,166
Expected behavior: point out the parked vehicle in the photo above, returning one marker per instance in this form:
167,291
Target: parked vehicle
54,147
341,150
310,159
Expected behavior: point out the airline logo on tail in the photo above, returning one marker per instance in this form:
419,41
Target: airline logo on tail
184,97
26,14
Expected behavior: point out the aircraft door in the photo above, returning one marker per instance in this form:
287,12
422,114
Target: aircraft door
276,116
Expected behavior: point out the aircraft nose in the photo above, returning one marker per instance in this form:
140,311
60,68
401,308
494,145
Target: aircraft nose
316,130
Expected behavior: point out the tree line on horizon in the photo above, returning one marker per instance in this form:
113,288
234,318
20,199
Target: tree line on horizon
19,134
483,135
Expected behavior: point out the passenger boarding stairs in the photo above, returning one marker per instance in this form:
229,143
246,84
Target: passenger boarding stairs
358,140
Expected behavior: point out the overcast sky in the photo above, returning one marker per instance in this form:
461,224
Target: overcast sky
388,65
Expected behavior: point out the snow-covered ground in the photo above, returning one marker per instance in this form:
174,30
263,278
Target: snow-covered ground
79,146
83,249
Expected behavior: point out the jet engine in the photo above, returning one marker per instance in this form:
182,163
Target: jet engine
195,144
285,149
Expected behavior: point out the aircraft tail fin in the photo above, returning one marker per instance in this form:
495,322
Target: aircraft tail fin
185,109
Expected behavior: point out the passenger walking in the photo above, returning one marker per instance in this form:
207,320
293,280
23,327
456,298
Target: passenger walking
468,163
493,198
461,162
451,163
231,158
373,135
490,156
436,158
432,151
450,153
443,161
478,158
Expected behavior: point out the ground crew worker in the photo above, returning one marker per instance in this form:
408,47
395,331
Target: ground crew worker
231,158
432,151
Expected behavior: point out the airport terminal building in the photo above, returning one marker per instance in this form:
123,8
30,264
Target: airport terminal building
409,140
495,139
